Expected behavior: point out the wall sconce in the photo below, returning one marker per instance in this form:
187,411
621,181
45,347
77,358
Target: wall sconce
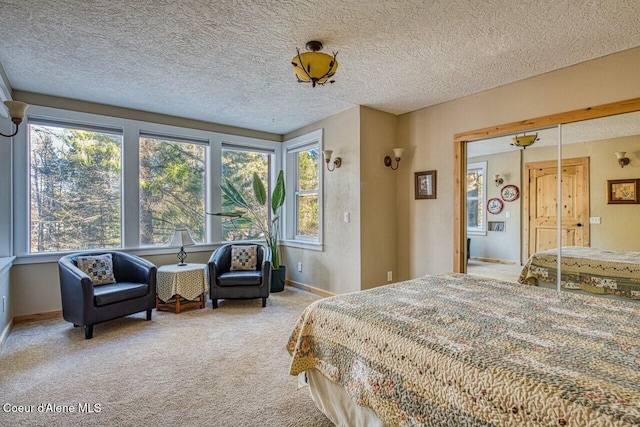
397,152
622,159
499,181
337,162
182,238
16,112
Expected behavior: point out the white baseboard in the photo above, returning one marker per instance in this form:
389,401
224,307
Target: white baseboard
5,333
308,288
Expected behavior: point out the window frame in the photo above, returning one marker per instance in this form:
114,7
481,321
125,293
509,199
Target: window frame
59,124
272,161
478,231
290,149
130,220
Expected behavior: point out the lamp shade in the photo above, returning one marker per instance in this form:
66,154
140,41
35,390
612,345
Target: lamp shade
181,237
327,154
397,152
620,154
17,109
314,66
524,141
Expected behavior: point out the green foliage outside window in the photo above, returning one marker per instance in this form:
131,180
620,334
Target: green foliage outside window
75,192
172,190
307,222
238,167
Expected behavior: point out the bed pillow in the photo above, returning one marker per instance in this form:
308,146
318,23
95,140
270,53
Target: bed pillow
244,257
98,267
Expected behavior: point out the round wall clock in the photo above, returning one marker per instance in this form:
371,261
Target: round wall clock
495,205
509,193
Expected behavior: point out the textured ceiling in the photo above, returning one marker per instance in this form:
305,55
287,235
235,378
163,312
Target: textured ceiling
228,61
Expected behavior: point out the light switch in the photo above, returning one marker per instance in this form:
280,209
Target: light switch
347,217
594,220
507,214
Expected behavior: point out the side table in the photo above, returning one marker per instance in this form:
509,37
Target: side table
181,287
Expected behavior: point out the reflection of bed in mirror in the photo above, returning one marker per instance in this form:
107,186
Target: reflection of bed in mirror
597,271
459,350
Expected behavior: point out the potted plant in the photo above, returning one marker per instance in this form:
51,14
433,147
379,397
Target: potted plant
248,212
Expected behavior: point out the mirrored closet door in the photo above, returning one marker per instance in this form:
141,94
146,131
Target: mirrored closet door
511,201
517,209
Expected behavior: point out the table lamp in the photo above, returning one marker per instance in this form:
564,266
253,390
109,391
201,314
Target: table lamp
182,238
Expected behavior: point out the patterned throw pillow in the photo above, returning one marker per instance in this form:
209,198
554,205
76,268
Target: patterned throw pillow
98,267
244,257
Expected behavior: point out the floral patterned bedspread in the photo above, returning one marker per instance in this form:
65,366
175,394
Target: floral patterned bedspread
599,271
456,350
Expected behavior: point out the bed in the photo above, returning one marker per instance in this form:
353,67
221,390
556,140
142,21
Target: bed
457,350
599,271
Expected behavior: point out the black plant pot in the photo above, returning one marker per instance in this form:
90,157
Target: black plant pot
277,279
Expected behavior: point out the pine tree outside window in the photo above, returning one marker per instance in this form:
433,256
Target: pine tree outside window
74,187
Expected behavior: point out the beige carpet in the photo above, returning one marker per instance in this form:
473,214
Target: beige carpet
224,367
492,270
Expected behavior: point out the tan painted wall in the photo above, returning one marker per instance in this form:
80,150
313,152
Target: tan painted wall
336,269
425,227
501,246
379,245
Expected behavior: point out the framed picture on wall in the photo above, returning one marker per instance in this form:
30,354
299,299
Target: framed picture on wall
622,191
425,184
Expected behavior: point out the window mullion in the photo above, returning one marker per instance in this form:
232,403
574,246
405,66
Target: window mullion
130,188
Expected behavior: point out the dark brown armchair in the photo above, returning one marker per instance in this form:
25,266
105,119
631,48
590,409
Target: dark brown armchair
244,284
84,304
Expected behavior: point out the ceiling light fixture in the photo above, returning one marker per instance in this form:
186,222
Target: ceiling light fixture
16,112
524,141
314,66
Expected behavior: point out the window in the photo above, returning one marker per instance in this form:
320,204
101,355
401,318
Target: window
172,188
303,175
306,193
100,182
476,191
74,187
238,166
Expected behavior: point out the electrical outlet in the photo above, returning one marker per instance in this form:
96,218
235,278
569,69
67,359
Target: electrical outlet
300,267
389,276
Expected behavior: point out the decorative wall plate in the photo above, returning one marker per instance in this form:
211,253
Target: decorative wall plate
494,206
509,193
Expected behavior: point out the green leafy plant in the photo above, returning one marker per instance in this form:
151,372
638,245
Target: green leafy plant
248,210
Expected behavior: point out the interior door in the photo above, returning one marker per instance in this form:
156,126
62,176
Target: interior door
541,187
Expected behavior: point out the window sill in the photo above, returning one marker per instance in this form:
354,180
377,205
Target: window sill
6,263
312,246
49,257
476,233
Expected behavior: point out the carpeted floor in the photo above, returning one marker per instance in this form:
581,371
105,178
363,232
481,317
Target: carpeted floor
492,270
224,367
